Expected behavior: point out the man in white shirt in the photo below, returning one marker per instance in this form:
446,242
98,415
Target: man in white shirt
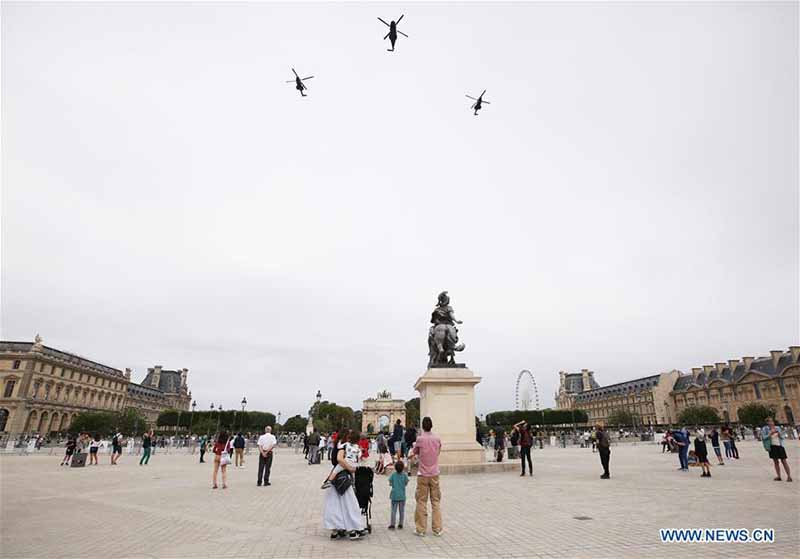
323,441
266,443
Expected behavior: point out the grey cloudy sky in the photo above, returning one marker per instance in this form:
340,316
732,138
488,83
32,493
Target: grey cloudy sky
628,203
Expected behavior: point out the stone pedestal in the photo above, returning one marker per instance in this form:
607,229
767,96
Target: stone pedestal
447,396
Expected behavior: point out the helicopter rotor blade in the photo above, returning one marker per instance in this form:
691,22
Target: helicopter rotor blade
471,97
289,81
481,95
383,22
473,106
485,101
399,19
385,36
295,73
403,34
308,78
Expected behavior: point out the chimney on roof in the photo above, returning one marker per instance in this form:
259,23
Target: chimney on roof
720,366
156,378
128,374
776,356
587,384
707,369
733,363
696,372
795,351
561,378
184,373
747,362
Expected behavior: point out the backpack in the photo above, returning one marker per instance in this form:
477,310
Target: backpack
334,452
515,438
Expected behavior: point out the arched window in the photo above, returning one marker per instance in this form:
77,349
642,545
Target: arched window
3,419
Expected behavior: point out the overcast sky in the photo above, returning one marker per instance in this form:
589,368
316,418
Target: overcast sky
627,203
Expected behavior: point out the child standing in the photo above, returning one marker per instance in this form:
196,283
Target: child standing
701,451
398,481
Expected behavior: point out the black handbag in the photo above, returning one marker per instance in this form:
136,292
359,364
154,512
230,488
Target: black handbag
342,482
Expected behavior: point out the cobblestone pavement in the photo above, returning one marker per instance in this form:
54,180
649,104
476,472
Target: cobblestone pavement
168,509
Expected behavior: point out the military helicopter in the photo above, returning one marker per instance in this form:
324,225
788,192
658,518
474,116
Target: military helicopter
392,34
299,85
478,102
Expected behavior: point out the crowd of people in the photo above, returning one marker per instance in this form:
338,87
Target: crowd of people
398,453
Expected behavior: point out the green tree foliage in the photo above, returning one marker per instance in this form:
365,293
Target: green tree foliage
536,417
623,418
755,414
412,412
129,422
328,416
207,421
295,424
698,415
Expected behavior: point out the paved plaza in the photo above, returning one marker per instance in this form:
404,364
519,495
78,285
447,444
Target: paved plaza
168,509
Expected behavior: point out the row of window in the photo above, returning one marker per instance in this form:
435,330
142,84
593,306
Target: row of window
81,377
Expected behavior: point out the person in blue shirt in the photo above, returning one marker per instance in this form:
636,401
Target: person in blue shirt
681,438
398,481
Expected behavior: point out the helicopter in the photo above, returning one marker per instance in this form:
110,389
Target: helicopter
299,85
478,102
392,34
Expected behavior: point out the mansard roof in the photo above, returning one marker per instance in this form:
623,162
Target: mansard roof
762,366
618,389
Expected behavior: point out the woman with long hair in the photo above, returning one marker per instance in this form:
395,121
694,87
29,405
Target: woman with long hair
222,458
341,513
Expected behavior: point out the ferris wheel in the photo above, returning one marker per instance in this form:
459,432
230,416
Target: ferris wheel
526,394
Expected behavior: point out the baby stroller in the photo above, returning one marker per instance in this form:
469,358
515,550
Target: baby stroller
363,489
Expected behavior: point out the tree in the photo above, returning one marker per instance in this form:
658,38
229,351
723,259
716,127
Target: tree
412,412
755,414
698,415
328,416
296,424
506,419
622,418
94,422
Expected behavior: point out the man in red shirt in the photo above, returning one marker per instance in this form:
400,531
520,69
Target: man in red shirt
427,448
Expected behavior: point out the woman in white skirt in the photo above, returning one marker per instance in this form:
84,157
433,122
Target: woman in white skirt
341,513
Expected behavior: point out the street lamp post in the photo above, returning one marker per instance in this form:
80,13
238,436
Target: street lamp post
191,417
212,408
219,416
244,403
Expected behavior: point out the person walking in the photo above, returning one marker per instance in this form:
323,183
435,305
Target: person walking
203,443
427,450
313,447
772,439
525,440
726,440
69,450
604,448
734,450
715,445
398,481
116,448
701,452
341,513
396,440
147,442
222,457
94,446
681,438
304,440
238,449
499,443
409,438
266,443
